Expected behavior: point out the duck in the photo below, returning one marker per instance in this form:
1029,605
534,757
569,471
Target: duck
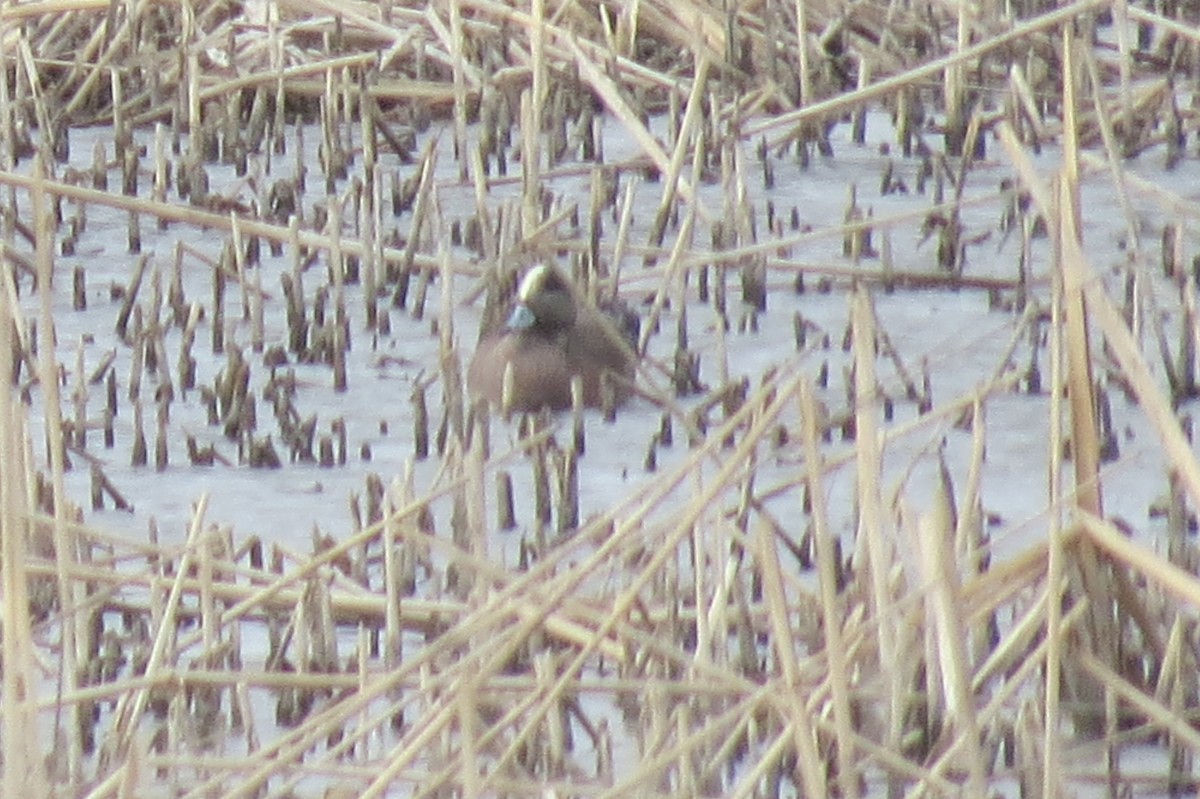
550,337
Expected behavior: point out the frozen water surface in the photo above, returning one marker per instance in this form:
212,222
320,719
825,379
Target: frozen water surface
954,333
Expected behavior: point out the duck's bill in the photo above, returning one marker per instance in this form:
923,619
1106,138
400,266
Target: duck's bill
521,318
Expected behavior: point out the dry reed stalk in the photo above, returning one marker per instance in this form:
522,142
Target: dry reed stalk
551,594
618,107
1056,556
802,53
421,213
949,633
533,107
769,249
421,613
1085,447
1121,344
1124,690
291,77
219,221
1070,353
1113,159
129,708
632,72
671,276
1025,100
940,416
1124,348
468,697
837,104
49,7
775,599
479,181
971,547
358,702
1171,684
336,715
621,240
648,772
191,677
831,608
1171,203
1168,576
868,466
71,595
1024,673
1014,650
1074,284
954,88
23,771
101,63
683,145
544,233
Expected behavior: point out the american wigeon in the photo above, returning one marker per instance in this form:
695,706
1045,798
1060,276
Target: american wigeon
551,336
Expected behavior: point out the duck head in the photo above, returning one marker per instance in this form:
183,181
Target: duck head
545,304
